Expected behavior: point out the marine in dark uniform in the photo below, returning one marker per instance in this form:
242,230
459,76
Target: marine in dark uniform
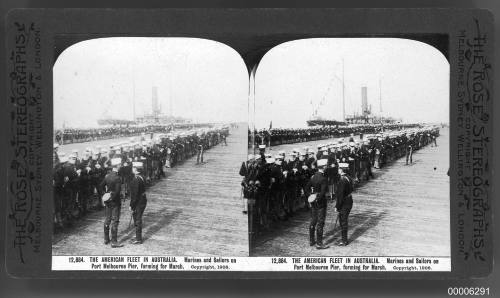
112,184
138,200
344,201
200,151
71,181
409,150
277,188
97,173
248,182
318,185
84,183
58,183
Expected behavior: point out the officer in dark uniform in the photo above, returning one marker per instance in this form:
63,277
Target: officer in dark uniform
71,181
277,188
344,201
58,183
97,173
84,182
247,183
317,185
199,156
112,184
409,150
138,200
55,155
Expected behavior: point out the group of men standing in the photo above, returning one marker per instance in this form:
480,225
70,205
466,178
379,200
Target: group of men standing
280,136
280,185
104,177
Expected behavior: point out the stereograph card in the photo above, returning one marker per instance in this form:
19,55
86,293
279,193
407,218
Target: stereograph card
263,143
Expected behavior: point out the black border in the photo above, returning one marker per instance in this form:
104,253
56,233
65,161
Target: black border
431,285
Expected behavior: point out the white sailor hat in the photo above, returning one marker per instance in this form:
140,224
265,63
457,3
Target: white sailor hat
56,145
322,163
343,165
267,155
302,153
262,146
116,161
137,164
63,158
251,156
292,153
282,152
351,144
88,149
74,150
278,156
270,160
324,149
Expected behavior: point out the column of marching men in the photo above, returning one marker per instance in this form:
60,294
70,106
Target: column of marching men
78,177
79,135
278,184
279,136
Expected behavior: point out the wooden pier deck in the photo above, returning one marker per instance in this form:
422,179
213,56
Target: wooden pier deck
404,211
195,211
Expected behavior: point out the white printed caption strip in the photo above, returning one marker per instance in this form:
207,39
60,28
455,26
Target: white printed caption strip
297,264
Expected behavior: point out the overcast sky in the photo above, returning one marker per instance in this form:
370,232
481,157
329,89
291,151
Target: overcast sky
414,78
206,80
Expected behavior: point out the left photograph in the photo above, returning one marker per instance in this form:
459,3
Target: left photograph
149,134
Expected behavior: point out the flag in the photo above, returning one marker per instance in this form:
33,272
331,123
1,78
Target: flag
271,125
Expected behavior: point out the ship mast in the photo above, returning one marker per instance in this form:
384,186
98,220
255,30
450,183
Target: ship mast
380,94
133,97
343,92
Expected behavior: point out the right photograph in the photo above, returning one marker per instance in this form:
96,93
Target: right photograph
349,149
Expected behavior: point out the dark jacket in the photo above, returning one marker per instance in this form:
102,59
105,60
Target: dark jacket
319,185
137,192
112,183
244,169
344,190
